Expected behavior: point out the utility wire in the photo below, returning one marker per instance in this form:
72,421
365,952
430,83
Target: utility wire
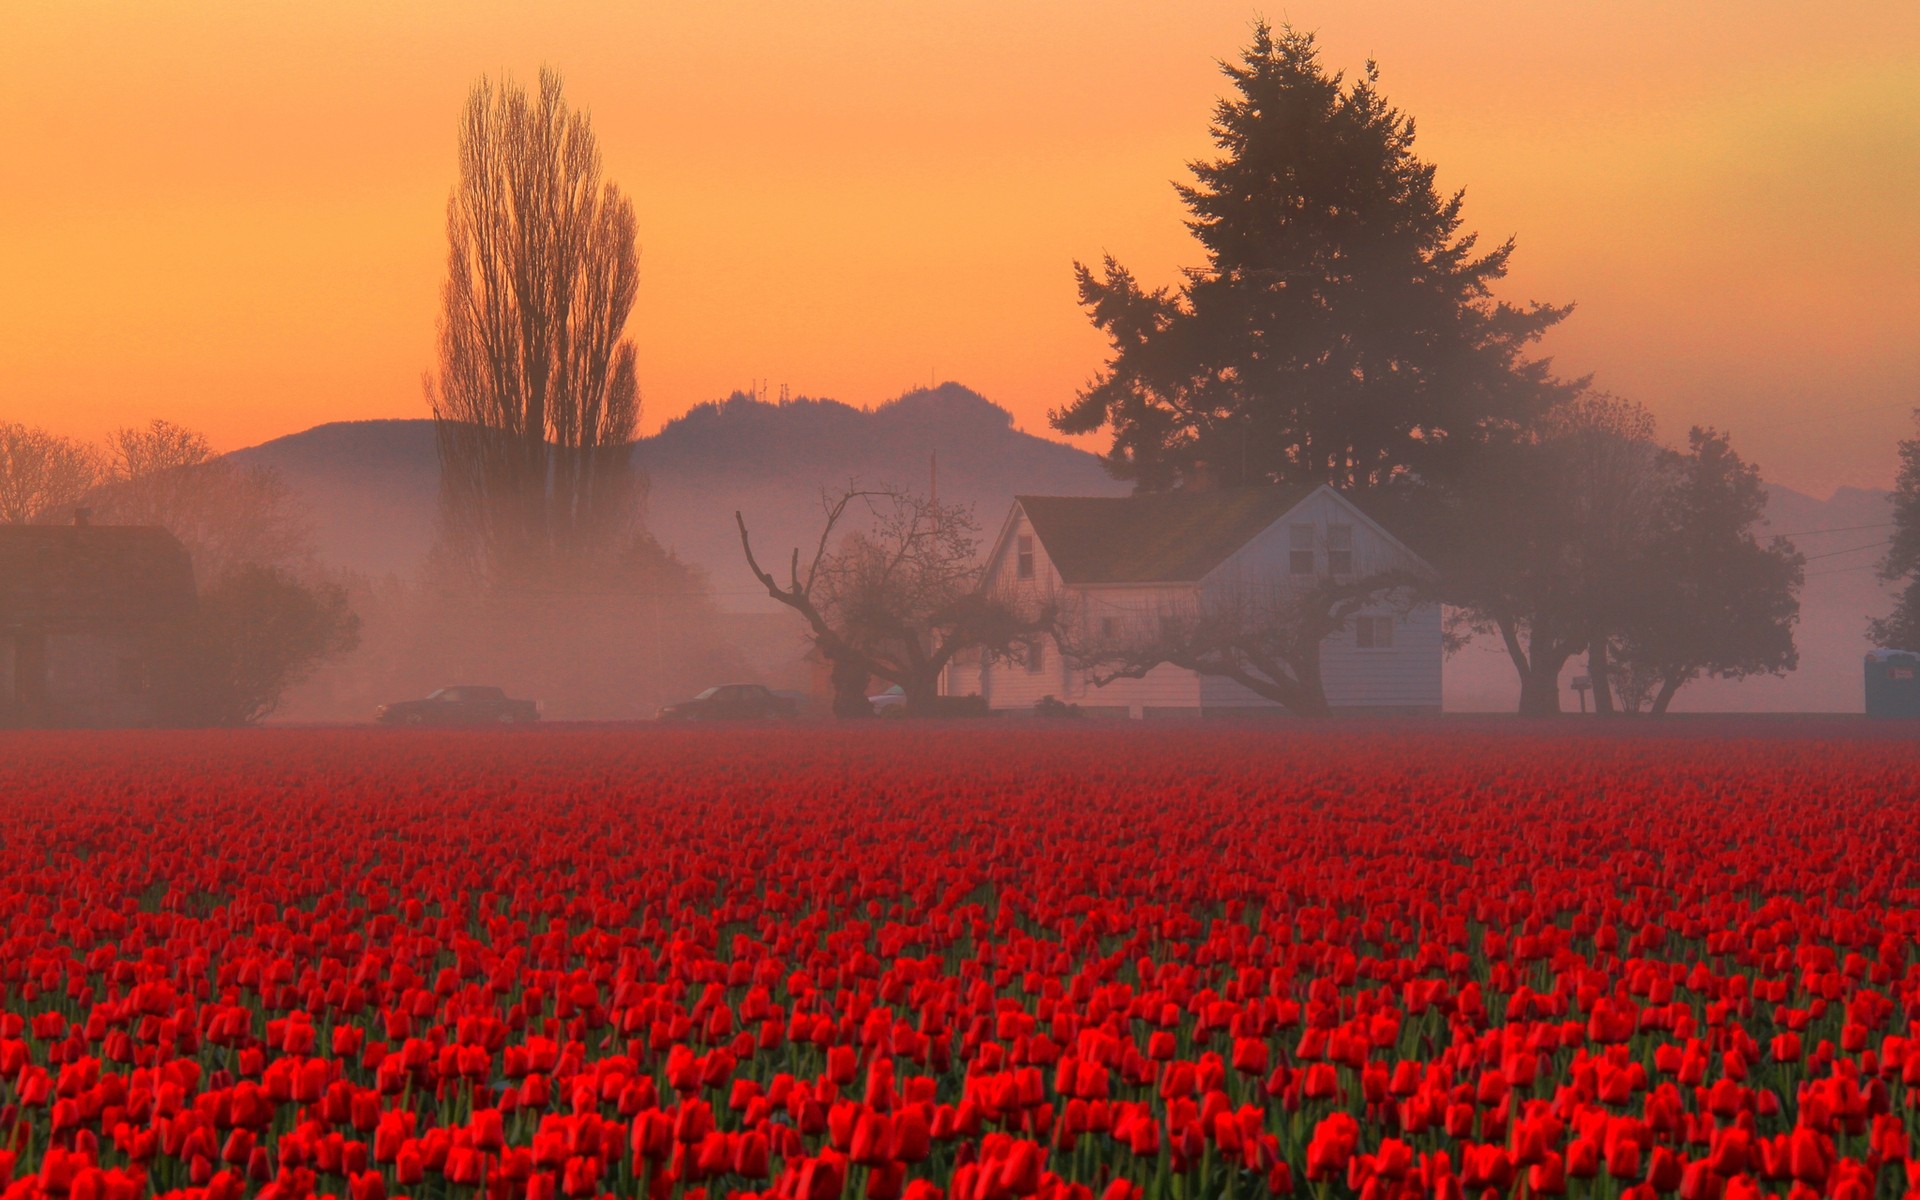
1835,529
1841,570
1850,550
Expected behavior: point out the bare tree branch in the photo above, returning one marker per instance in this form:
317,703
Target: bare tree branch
43,476
1266,639
897,596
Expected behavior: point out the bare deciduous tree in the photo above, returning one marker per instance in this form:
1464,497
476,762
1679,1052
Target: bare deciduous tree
1265,637
898,596
226,515
43,476
536,398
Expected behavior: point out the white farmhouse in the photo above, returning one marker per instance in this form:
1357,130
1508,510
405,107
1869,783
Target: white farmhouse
1115,565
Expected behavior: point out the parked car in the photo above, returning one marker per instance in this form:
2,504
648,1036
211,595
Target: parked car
890,703
464,705
804,706
732,702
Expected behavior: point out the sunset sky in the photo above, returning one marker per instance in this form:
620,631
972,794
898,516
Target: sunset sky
230,214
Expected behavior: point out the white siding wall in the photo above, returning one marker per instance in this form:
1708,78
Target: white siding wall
1403,676
1134,611
1264,559
1013,685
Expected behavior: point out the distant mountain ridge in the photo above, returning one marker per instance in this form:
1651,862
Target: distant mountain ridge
373,490
372,486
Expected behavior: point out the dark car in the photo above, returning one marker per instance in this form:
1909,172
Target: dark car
732,702
465,705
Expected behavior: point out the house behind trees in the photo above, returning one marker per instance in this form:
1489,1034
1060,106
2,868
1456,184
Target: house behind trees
1118,566
85,612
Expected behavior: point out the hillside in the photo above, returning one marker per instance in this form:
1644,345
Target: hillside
372,485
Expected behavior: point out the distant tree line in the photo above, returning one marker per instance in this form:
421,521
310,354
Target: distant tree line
267,616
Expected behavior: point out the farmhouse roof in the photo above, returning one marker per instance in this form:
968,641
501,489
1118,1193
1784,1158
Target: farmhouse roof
92,575
1156,537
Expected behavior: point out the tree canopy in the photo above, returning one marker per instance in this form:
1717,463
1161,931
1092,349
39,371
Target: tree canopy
1590,537
1712,597
1900,629
1343,329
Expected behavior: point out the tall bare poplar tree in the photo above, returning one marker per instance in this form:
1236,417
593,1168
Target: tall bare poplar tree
535,400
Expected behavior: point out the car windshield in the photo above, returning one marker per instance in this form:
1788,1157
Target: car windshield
708,694
440,694
895,690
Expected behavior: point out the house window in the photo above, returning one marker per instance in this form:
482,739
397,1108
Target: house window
1340,549
1300,549
1024,565
1373,633
1036,657
1108,627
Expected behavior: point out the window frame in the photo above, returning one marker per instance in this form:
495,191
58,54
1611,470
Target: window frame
1372,632
1296,533
1341,565
1023,558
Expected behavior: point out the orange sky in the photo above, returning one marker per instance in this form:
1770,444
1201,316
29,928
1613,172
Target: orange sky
229,214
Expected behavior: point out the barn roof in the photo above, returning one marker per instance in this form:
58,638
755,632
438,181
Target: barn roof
1157,537
92,575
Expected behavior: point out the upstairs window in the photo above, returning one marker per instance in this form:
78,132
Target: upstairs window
1373,633
1340,549
1300,550
1024,561
1108,627
1036,657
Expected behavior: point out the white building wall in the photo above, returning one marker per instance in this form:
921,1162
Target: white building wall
1405,675
1008,685
1114,611
1265,558
1013,687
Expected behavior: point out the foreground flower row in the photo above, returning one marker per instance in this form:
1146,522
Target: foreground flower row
966,964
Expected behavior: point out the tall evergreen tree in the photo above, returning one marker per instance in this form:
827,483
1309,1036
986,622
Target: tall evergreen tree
1343,329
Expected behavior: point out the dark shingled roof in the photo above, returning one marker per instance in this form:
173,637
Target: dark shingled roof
1159,537
87,575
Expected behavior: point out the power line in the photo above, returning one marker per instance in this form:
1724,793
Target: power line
1835,529
1841,570
1850,550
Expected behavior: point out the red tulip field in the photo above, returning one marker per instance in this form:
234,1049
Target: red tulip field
959,964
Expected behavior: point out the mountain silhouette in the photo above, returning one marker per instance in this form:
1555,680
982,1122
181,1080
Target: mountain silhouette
372,487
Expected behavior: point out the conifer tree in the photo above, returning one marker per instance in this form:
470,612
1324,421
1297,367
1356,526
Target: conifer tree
1342,329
